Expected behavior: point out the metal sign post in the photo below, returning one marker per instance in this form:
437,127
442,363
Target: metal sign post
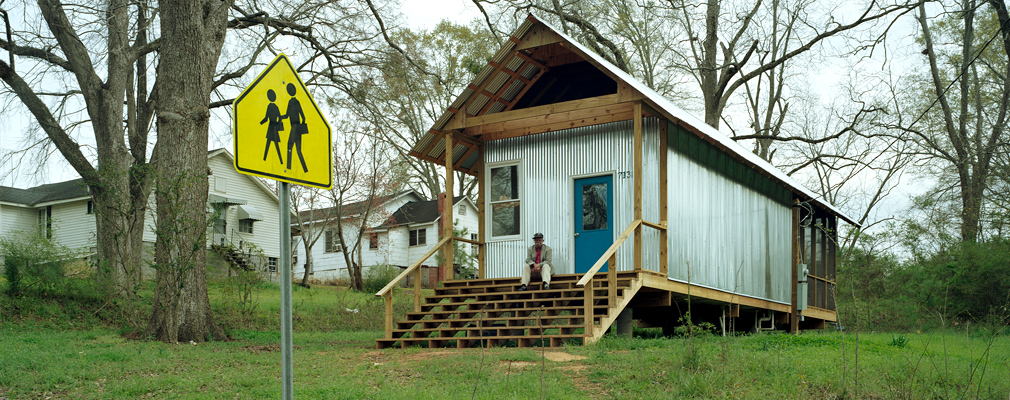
286,341
257,115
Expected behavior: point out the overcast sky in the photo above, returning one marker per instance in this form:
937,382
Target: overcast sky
423,14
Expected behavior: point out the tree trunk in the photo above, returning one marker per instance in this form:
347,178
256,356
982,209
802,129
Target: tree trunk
709,70
192,34
308,260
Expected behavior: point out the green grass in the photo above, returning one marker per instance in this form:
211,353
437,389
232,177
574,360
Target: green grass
99,364
58,351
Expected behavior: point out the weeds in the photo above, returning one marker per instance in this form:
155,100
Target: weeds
899,341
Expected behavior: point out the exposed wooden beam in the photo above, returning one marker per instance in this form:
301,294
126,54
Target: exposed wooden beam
546,119
447,218
637,177
481,229
534,111
538,36
820,313
622,115
514,74
657,281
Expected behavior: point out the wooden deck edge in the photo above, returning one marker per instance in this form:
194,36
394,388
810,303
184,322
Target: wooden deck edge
820,313
605,322
663,283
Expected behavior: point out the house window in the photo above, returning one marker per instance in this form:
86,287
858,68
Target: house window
462,209
474,249
46,221
221,225
245,225
91,207
504,201
419,237
272,264
220,184
332,241
373,240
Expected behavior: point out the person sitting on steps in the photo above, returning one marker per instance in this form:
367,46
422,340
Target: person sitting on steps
539,257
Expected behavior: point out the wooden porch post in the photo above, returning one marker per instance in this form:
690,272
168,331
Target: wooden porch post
481,248
447,218
663,206
637,173
794,319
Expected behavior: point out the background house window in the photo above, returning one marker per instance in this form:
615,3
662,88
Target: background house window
474,249
419,237
373,240
46,221
462,209
332,241
91,207
504,201
220,184
245,225
272,264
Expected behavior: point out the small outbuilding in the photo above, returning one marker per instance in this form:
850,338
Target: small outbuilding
645,205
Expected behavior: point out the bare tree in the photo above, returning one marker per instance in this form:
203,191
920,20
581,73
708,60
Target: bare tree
966,132
411,86
362,182
314,211
118,174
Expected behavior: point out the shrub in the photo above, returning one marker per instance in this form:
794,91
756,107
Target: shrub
379,276
33,262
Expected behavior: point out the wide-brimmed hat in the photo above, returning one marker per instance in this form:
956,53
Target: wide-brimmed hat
538,235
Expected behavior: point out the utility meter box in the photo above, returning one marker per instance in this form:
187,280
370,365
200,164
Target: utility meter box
801,287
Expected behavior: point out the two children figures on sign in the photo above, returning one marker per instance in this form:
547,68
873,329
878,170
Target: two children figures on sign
295,116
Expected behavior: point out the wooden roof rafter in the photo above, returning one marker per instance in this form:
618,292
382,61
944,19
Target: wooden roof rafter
496,88
435,152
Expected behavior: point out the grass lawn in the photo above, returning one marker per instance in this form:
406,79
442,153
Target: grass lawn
43,361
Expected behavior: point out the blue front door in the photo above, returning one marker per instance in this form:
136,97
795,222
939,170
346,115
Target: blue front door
594,220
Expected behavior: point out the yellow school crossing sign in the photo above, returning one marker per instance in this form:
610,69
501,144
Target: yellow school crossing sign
280,132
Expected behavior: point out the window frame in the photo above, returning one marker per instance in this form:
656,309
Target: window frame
244,223
417,237
489,203
331,242
373,240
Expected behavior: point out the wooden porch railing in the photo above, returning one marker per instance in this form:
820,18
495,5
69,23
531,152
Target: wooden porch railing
610,255
387,291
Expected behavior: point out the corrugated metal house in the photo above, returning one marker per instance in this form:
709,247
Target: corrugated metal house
613,174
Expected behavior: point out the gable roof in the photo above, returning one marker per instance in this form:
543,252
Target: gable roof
52,192
352,208
231,160
417,212
500,86
77,189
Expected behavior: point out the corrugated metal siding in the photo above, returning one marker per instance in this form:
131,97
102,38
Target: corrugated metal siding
734,238
548,164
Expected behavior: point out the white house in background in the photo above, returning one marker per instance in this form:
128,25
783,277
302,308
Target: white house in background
249,213
400,233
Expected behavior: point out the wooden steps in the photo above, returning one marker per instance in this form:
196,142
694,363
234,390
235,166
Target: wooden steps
492,312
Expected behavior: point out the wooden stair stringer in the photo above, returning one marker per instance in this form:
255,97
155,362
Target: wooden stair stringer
614,311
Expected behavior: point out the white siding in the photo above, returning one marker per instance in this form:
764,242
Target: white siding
72,225
266,233
399,238
16,218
